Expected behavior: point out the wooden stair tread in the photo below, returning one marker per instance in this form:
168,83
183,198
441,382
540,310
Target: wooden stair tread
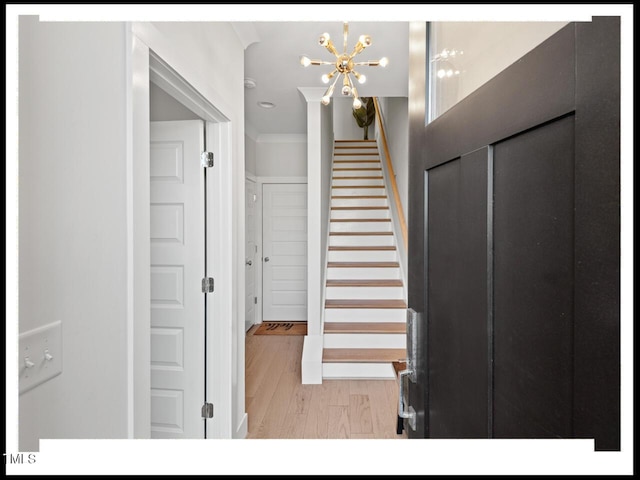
398,367
357,169
392,282
359,208
363,355
354,141
356,147
363,264
357,186
365,303
356,161
363,248
353,154
360,220
361,233
357,178
359,197
365,327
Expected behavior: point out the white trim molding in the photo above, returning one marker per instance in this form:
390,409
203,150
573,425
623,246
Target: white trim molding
246,32
312,353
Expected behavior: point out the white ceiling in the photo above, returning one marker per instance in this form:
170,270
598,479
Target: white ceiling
274,63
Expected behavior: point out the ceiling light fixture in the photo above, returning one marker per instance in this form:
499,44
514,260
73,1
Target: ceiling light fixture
344,65
266,104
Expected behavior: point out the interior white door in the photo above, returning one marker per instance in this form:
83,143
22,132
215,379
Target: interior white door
284,249
250,253
177,269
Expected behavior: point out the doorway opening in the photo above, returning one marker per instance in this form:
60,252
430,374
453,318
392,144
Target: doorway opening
276,250
171,213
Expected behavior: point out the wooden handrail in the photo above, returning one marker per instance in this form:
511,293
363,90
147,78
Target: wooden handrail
392,175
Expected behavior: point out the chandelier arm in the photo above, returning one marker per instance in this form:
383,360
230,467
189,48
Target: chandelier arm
333,85
354,92
345,33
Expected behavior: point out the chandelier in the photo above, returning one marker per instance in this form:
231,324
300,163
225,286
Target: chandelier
344,66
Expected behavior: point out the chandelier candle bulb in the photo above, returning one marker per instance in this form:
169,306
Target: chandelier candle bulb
305,61
361,78
365,40
324,39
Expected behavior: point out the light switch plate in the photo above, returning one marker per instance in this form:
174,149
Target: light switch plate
39,355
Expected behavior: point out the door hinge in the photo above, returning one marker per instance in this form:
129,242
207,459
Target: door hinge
207,285
255,300
206,159
207,410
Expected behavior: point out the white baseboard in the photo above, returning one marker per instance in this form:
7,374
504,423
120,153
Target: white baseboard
242,429
358,371
312,360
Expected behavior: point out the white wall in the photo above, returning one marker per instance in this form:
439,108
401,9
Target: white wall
195,50
487,49
281,156
250,150
72,230
73,208
344,125
395,111
163,107
395,117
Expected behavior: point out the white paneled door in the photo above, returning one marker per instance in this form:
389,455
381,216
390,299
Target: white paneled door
177,269
250,253
284,232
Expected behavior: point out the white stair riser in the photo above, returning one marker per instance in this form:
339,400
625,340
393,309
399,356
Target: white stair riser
356,173
369,293
357,370
343,315
356,142
342,273
361,170
356,155
373,182
359,202
347,164
358,191
358,214
363,256
360,226
365,340
361,240
362,148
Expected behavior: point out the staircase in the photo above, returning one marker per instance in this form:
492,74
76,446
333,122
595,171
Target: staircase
365,306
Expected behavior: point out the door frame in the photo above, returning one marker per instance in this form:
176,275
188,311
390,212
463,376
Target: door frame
260,181
249,177
144,67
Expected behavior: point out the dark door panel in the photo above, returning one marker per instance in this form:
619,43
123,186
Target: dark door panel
514,231
457,306
533,282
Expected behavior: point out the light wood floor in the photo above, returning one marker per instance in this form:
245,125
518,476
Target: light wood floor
279,406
